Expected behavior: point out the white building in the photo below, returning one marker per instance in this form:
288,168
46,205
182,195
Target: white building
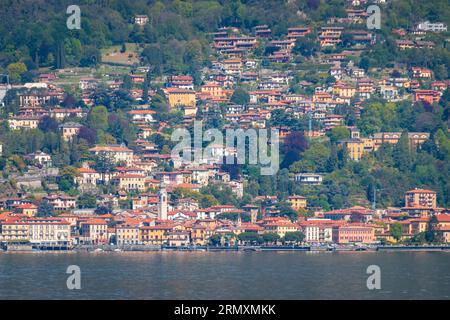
308,178
41,158
142,116
61,202
118,153
141,20
427,26
37,230
317,232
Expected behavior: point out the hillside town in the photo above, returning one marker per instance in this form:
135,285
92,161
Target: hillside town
154,220
85,152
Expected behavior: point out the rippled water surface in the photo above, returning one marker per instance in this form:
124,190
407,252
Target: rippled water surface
225,275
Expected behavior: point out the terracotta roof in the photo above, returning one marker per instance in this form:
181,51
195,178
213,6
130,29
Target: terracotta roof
27,206
132,112
420,191
129,176
443,217
110,149
86,170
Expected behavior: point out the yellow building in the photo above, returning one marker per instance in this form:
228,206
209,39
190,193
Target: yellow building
27,209
130,182
23,122
156,235
200,235
181,97
127,234
343,90
213,89
356,148
419,225
280,227
16,231
297,202
420,198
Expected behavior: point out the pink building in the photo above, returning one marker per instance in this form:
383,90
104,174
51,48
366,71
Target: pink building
353,233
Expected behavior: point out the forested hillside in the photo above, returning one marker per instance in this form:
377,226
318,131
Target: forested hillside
34,31
178,40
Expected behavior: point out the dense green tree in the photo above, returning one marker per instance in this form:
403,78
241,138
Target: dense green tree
271,237
240,97
396,231
307,46
339,133
45,209
15,70
432,233
48,123
215,239
251,238
98,118
286,210
402,153
294,237
87,200
127,84
66,179
101,210
294,145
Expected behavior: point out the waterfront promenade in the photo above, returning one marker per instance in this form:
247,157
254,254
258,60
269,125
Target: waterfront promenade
149,248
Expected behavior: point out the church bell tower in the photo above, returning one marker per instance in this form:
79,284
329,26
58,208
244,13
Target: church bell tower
162,204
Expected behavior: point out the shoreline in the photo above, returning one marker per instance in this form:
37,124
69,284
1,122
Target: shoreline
141,248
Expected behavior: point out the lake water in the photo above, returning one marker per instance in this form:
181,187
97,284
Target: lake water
225,275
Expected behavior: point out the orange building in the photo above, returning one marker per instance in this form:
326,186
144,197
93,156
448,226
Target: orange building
343,90
70,130
420,198
27,209
94,231
429,96
181,97
213,89
444,226
353,233
297,202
